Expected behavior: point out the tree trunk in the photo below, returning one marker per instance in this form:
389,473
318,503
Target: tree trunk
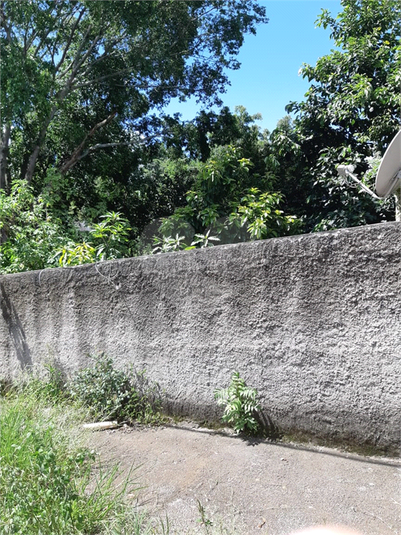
35,153
4,150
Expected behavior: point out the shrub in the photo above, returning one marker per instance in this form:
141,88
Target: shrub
116,394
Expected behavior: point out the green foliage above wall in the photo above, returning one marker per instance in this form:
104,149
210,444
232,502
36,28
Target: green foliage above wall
90,148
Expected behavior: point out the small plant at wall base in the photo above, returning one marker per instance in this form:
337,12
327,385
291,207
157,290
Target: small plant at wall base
48,384
116,394
240,406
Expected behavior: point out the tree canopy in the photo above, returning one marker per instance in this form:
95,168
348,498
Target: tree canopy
79,77
351,111
91,168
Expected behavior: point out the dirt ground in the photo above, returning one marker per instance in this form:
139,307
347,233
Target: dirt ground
213,481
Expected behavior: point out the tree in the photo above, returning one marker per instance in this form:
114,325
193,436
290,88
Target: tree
79,78
209,129
31,235
225,205
351,110
35,239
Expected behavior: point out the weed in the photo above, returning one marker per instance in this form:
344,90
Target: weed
116,394
130,521
5,386
165,527
204,520
49,385
241,406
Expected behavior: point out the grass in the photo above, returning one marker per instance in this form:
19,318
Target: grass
51,483
46,471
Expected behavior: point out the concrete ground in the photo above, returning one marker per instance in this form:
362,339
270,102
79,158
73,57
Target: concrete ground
212,481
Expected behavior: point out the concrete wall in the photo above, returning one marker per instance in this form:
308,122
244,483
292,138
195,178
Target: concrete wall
311,321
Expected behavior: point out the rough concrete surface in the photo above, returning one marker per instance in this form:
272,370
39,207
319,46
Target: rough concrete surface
311,321
252,487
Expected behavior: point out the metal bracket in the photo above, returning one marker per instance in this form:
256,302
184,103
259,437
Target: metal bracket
347,171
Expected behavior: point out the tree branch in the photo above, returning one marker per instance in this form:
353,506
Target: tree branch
59,98
106,54
101,78
76,155
107,145
63,22
3,23
68,44
103,146
42,38
86,55
80,48
29,42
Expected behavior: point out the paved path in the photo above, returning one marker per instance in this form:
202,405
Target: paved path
254,487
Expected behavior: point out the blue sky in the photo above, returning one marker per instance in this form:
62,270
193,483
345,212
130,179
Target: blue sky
268,78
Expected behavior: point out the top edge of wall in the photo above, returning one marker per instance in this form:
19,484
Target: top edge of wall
313,236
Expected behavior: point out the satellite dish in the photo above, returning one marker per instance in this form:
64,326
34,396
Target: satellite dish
389,174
